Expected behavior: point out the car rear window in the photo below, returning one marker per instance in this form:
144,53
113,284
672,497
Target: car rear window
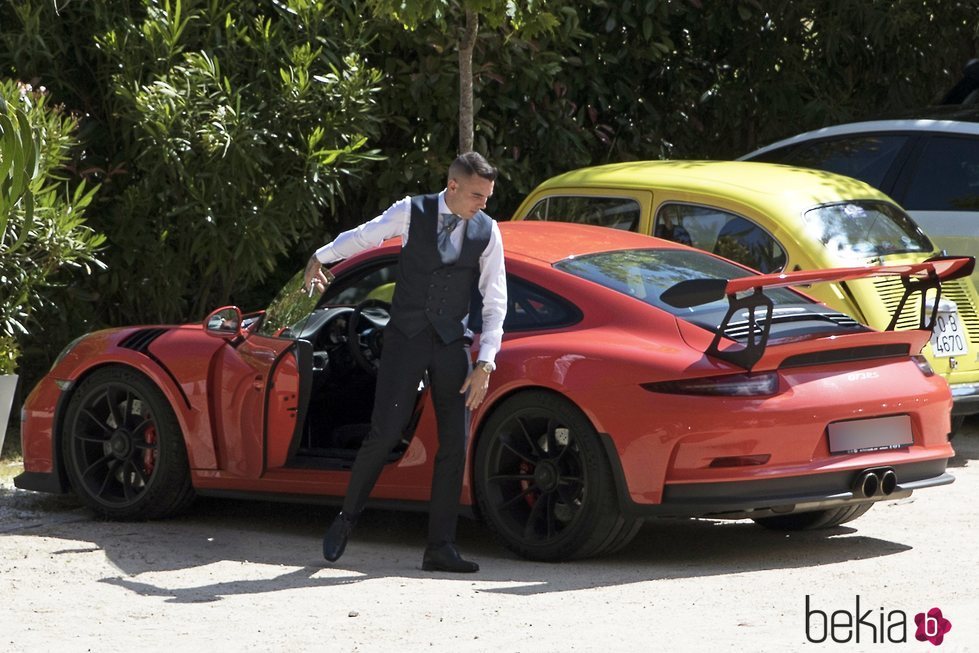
646,273
862,230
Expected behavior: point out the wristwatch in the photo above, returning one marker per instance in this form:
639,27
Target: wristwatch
487,366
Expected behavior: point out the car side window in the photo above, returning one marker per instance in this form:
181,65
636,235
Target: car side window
375,283
722,233
864,157
615,212
293,306
946,177
529,307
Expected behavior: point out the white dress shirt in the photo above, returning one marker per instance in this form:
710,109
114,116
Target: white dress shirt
394,222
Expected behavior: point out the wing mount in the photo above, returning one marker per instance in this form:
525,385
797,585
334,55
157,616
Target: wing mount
919,278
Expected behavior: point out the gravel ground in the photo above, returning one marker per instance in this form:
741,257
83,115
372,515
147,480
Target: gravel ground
247,576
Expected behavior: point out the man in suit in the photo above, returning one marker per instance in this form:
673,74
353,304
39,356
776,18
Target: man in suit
448,244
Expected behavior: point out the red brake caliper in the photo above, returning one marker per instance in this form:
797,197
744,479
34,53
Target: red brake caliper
149,457
527,468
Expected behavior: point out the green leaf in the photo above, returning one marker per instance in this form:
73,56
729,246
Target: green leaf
7,137
27,202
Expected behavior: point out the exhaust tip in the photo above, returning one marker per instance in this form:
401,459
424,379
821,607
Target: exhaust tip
888,482
866,485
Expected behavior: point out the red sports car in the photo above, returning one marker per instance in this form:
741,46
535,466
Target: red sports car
638,378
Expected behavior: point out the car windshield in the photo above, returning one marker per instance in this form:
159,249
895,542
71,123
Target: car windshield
290,309
646,273
861,230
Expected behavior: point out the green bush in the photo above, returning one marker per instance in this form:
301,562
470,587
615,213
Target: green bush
640,79
231,137
44,241
222,131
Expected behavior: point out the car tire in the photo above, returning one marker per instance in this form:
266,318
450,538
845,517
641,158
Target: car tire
543,483
957,422
816,519
123,449
625,536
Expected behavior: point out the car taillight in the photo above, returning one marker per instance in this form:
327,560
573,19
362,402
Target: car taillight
730,385
923,365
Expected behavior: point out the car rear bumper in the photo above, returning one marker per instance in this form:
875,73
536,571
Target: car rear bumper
965,398
765,497
749,499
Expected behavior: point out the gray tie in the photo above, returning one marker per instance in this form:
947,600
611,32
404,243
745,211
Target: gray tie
447,249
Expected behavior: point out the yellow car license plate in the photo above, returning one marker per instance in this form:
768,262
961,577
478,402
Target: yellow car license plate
948,336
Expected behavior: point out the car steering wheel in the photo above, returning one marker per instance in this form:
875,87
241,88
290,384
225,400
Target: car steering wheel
365,333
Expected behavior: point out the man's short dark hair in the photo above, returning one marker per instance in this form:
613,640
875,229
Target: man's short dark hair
472,163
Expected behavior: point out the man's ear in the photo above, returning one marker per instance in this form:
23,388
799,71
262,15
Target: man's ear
452,185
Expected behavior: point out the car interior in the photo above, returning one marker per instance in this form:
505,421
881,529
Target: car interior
340,338
346,343
346,333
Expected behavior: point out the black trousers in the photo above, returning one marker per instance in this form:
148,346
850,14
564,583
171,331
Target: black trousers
403,363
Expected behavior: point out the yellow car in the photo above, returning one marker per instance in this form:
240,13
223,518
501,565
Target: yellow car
772,217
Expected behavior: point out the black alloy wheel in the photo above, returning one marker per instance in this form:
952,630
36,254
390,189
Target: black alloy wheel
123,448
543,482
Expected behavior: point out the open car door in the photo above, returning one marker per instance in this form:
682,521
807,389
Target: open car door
261,381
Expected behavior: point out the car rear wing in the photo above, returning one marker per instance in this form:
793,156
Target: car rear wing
915,277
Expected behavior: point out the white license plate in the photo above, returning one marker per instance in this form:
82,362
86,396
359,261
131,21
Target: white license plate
875,434
948,336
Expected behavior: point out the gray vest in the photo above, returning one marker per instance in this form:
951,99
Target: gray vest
427,291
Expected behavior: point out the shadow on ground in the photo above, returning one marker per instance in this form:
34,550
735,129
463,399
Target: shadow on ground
389,544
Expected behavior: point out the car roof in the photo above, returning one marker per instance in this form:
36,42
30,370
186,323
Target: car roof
550,242
769,186
947,120
949,112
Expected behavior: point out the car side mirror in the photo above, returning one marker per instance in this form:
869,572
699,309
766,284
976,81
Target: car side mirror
224,322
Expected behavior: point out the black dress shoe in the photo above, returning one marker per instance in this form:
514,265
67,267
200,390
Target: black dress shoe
445,557
335,540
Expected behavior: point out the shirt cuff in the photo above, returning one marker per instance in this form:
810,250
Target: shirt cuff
325,254
487,353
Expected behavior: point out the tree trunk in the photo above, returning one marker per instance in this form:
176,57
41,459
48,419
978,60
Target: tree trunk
466,46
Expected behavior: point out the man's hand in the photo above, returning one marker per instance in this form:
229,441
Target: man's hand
476,383
314,278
